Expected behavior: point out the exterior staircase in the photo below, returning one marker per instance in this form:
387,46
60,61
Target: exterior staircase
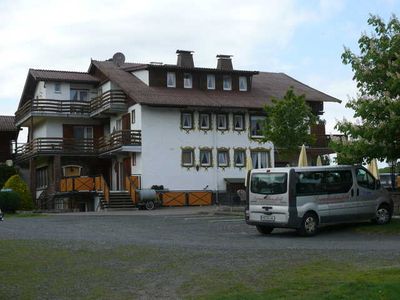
119,200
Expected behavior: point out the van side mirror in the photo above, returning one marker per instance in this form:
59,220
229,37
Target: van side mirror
378,184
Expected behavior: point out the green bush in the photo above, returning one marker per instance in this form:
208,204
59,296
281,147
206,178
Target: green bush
20,187
5,173
9,201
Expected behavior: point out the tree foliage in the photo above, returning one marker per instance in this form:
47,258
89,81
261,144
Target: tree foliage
18,185
288,122
376,134
5,173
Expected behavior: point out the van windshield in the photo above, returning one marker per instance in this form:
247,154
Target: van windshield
269,183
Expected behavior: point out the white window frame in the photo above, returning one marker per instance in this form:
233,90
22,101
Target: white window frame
208,154
227,79
226,121
172,76
235,116
257,119
257,159
212,78
187,80
226,154
235,154
242,80
187,114
118,124
201,115
57,87
191,151
133,117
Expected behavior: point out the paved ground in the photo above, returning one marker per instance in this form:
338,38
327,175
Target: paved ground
198,228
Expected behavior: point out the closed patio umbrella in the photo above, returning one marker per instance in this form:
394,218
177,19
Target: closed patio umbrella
319,162
249,166
373,168
303,157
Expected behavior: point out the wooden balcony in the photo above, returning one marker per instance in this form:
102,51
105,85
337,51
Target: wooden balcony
110,102
50,107
78,147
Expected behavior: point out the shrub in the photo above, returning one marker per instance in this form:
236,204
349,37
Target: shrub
20,187
5,173
9,201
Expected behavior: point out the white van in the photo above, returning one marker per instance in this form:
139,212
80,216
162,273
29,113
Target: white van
307,197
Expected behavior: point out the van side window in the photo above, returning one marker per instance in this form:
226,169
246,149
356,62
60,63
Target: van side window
320,183
364,179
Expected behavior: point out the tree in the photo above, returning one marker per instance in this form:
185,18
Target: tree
18,185
288,122
5,173
376,134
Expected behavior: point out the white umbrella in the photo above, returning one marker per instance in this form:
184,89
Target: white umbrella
373,168
319,162
303,157
249,166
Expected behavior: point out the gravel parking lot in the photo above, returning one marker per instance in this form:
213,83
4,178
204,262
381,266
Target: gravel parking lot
175,253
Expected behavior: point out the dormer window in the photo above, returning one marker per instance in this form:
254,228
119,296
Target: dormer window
243,83
227,84
211,82
171,79
187,81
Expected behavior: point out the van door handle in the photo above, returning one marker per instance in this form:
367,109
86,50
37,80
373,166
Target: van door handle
358,192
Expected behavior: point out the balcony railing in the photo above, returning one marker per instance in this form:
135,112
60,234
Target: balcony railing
49,106
74,146
110,101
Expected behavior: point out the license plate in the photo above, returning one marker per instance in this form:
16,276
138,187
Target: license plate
267,218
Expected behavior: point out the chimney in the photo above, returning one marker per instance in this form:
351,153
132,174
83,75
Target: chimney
224,62
185,59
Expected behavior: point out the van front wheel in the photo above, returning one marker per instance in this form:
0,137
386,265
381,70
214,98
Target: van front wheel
309,225
264,229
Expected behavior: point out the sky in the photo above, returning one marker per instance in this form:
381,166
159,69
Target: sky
303,38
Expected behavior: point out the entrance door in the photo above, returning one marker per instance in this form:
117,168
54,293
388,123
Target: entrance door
127,170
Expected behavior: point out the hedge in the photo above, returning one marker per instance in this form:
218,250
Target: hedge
9,201
18,185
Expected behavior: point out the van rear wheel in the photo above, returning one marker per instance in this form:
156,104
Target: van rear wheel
309,225
383,215
264,229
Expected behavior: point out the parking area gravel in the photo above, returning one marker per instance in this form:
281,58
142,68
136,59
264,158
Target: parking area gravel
174,253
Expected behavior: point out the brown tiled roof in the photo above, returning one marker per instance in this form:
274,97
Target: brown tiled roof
265,86
7,124
63,76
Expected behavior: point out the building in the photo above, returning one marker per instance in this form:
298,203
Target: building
8,137
179,126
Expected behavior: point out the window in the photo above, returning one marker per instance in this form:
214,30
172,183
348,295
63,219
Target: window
256,125
41,178
243,83
364,179
187,120
204,121
211,82
238,122
133,117
79,95
227,83
205,157
269,183
222,122
171,79
320,183
239,158
133,159
187,157
187,81
259,159
223,158
118,124
57,88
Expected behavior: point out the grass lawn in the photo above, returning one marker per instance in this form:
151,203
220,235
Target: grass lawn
55,270
392,228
